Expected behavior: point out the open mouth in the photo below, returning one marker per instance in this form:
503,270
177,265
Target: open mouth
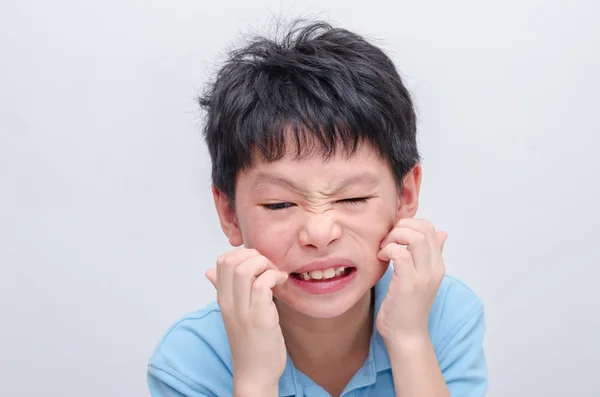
326,275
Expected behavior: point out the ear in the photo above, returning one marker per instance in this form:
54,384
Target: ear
227,217
408,196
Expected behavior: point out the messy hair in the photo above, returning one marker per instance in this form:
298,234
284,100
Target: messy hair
322,87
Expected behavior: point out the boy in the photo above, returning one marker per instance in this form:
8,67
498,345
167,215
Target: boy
316,179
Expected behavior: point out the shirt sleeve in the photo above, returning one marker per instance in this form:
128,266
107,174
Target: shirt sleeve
162,383
193,359
462,360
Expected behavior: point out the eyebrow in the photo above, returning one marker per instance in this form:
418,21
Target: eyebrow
366,180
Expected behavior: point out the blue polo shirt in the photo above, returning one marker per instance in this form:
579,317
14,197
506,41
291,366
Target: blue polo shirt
193,359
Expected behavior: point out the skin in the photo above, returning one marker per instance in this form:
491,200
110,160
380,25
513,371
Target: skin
291,212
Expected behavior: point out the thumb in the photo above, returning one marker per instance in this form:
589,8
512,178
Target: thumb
211,275
442,237
281,284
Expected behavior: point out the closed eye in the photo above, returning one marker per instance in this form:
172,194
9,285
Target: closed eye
282,206
355,200
277,206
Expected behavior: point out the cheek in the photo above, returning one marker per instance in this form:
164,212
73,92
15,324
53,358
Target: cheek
375,225
271,239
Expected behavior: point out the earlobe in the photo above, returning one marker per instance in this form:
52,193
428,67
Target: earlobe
227,217
408,196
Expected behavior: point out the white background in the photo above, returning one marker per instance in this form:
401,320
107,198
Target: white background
106,218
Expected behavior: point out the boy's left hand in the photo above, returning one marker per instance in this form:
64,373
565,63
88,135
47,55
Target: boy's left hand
415,247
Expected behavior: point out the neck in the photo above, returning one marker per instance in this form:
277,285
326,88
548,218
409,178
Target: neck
314,341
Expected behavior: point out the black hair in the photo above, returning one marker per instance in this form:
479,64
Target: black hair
317,81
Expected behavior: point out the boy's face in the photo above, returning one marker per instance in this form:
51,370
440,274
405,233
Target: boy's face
300,213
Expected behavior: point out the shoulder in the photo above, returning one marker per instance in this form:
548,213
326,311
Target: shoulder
455,307
194,354
454,292
456,328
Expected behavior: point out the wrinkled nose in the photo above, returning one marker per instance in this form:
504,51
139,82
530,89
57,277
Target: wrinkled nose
320,231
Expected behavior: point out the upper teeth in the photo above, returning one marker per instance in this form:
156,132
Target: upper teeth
323,274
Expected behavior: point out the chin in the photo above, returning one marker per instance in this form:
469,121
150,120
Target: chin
323,306
327,311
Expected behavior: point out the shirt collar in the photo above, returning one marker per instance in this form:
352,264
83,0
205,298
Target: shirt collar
288,382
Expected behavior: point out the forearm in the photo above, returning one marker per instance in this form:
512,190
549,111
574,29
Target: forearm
415,368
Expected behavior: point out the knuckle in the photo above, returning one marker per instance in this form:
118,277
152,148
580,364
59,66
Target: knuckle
227,261
403,253
428,226
241,271
420,238
258,287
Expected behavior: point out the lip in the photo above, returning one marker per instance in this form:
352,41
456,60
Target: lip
324,287
325,264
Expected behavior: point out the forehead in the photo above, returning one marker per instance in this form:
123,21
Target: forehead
302,147
362,167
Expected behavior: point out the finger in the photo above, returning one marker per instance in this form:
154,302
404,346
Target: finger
211,275
244,275
442,237
427,228
402,259
262,291
436,239
419,225
416,243
226,265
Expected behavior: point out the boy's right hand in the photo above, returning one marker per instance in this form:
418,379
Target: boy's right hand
244,280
